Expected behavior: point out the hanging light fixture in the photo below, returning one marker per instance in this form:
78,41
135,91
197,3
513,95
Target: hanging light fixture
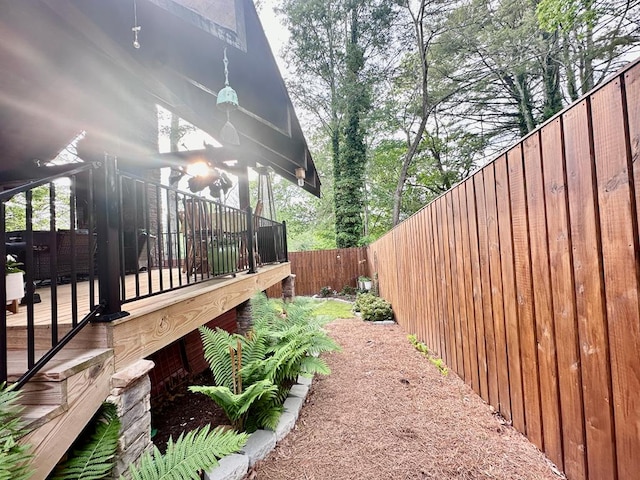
228,101
136,28
300,174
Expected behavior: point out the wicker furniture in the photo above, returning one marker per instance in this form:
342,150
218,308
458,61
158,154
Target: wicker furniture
42,253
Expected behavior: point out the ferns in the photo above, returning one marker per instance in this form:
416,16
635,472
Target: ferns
236,406
14,458
196,451
285,342
94,460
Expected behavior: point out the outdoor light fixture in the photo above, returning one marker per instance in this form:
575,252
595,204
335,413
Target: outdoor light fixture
227,101
136,28
300,174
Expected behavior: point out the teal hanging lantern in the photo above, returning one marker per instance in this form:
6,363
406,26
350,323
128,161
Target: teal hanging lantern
227,101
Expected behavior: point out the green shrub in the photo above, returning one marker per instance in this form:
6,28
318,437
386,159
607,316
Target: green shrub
348,290
372,308
253,373
326,292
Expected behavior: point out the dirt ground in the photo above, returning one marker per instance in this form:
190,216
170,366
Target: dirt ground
386,412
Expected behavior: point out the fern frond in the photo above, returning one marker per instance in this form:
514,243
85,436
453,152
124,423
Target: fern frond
15,459
95,459
312,365
216,345
196,451
235,406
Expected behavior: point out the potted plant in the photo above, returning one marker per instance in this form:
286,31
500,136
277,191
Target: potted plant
13,280
364,283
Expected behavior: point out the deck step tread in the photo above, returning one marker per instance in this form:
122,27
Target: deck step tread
35,416
66,363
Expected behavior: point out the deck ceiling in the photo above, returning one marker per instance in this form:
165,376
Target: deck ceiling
69,66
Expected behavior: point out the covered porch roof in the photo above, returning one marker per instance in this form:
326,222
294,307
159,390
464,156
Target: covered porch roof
70,66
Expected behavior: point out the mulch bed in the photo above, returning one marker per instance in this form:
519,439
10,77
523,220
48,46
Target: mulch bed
385,412
183,411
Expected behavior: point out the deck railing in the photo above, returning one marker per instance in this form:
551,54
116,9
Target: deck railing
128,237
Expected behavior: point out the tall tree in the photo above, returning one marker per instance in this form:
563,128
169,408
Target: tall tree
594,36
428,24
332,48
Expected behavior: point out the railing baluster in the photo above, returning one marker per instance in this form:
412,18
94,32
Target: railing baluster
74,272
53,264
159,245
3,300
92,242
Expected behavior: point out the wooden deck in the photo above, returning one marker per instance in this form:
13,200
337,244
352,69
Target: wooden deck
135,286
62,398
153,322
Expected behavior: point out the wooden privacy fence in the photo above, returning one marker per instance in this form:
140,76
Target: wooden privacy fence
325,268
524,278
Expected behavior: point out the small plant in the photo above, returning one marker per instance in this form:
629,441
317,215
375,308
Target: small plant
364,279
12,265
326,292
422,348
372,308
348,290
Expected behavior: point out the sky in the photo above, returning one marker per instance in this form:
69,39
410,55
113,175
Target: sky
276,33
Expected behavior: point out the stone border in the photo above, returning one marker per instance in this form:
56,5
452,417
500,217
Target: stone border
262,442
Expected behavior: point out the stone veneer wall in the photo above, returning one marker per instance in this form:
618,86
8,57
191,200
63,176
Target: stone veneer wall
131,393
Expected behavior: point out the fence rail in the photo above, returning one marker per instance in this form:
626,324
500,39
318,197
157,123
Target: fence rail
524,278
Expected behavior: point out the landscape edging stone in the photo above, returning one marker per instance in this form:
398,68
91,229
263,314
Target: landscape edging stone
262,442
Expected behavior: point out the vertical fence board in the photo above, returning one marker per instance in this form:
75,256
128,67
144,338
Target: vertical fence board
543,302
592,321
477,289
563,301
620,261
447,318
437,305
467,290
487,304
512,333
524,295
632,87
457,282
496,291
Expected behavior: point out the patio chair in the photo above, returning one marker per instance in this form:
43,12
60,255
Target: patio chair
243,260
197,227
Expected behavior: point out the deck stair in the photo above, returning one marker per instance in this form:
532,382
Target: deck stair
61,399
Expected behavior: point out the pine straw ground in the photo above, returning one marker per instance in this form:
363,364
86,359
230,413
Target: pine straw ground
385,412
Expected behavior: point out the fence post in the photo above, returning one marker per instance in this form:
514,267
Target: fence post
108,218
251,257
284,241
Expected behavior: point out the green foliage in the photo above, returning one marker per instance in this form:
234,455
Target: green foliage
12,265
373,308
252,373
326,291
236,406
94,458
422,348
192,453
14,458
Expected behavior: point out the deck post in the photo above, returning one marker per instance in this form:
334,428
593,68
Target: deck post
108,218
250,242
